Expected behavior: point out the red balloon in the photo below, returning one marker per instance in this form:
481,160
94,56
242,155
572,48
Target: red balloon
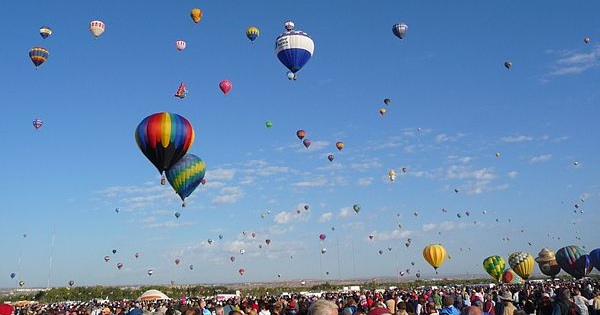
322,237
177,261
300,134
241,271
225,86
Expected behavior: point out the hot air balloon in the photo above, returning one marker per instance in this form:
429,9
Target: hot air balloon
21,283
382,111
339,145
253,234
191,267
322,237
210,241
242,251
268,241
119,266
300,134
37,123
232,259
242,271
547,262
494,266
71,283
507,64
399,30
434,254
182,92
196,15
164,138
137,255
252,33
180,44
185,175
177,214
594,257
511,277
260,246
306,143
323,250
106,258
38,55
117,210
392,175
371,237
330,157
380,252
45,31
220,236
387,101
356,208
97,28
150,272
13,275
177,261
306,207
114,251
586,40
225,86
521,263
294,48
574,261
269,124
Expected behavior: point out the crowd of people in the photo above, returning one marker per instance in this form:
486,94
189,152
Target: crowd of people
545,298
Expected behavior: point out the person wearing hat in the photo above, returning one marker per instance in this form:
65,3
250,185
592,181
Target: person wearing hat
507,301
379,310
323,307
449,308
106,311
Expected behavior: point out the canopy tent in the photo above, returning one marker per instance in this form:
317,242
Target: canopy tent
152,295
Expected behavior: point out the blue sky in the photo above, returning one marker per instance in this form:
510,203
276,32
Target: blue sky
454,106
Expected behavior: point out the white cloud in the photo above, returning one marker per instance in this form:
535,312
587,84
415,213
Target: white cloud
444,226
513,174
268,170
327,216
316,182
464,172
228,195
366,165
220,174
284,217
442,137
345,212
517,138
393,235
366,181
540,158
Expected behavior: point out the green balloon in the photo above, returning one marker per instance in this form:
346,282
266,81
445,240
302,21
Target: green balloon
269,124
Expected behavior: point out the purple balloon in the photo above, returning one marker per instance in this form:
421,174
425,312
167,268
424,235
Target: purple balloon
574,261
306,143
594,257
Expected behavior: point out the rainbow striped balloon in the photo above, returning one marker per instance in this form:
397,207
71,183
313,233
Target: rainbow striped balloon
164,138
38,55
186,175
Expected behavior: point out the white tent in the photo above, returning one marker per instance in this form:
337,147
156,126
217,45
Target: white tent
152,295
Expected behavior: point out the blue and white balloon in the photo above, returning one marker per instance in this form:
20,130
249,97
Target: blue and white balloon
400,30
294,48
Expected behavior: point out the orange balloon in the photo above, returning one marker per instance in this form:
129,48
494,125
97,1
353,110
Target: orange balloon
339,145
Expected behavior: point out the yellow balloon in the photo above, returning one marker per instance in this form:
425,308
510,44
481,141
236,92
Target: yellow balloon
521,263
434,254
196,15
